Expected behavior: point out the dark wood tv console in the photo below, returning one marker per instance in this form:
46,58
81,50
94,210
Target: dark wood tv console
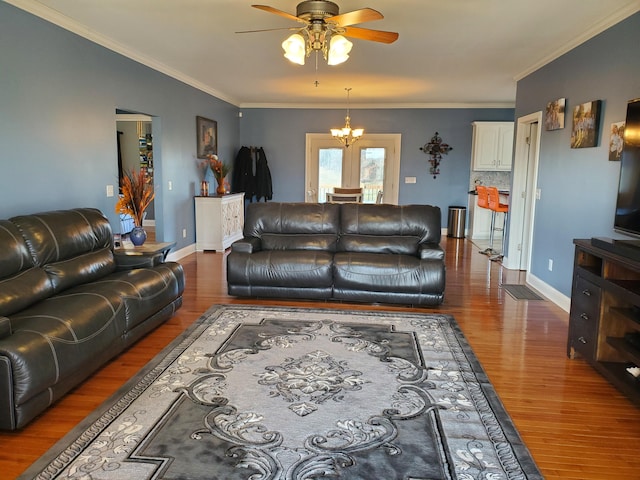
605,306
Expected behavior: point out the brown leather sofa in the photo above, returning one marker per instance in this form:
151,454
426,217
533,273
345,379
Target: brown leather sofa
68,305
352,252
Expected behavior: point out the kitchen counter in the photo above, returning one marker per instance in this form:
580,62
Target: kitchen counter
500,191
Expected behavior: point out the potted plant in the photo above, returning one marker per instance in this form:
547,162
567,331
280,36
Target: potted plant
137,194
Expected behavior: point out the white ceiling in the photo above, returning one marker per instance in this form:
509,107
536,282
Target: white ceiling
449,53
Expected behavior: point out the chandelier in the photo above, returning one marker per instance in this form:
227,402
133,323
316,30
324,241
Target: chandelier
345,135
316,38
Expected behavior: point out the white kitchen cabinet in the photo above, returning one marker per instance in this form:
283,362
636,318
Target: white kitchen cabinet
219,221
492,148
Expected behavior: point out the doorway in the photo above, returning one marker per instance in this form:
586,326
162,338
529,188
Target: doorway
523,192
135,151
373,164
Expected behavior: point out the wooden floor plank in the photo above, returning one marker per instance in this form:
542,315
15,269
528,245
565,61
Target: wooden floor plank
576,425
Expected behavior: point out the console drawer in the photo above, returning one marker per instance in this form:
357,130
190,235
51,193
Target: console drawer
583,321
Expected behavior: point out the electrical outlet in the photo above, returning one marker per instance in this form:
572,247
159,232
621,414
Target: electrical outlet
409,179
184,233
170,185
538,193
550,265
109,190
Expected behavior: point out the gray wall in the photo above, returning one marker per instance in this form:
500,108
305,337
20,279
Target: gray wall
579,186
58,99
281,132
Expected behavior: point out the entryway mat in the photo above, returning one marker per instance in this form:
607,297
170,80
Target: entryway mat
521,292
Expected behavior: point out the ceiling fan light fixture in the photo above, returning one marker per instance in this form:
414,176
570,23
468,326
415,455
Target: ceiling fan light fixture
295,49
325,30
339,48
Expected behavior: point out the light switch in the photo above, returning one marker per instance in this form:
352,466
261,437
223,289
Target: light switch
170,185
409,179
109,190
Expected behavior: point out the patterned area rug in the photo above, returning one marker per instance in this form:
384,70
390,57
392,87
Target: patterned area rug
262,393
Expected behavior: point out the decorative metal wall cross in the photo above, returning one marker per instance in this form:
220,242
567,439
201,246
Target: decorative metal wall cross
436,149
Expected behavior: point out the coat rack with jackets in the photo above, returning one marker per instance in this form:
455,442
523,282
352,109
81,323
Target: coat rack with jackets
251,174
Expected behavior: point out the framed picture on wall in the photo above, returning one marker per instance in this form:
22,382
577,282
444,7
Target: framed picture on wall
616,141
586,125
207,131
554,115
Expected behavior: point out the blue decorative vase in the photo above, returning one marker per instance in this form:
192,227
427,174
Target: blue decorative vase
138,236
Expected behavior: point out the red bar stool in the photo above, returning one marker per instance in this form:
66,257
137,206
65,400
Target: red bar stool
496,207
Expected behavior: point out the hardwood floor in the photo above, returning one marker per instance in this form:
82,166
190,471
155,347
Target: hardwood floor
575,424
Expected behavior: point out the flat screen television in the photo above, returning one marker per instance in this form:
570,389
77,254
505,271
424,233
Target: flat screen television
627,218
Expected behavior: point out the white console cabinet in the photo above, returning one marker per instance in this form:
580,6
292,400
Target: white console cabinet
219,221
492,147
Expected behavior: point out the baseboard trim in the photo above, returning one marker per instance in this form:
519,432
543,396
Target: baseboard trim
183,252
548,291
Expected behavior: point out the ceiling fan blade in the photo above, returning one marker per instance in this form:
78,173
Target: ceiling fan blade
373,35
355,17
269,30
269,9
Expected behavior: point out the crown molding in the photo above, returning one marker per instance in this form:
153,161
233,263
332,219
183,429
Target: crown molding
596,29
379,106
52,16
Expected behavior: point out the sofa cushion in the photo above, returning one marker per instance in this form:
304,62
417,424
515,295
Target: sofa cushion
61,337
59,235
83,268
316,241
21,282
144,291
293,268
390,229
5,327
14,254
387,273
73,246
293,226
23,289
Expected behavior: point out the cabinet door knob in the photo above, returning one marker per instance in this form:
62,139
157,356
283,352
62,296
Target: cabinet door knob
586,292
584,316
582,340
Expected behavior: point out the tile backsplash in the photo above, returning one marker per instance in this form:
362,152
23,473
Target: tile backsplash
502,180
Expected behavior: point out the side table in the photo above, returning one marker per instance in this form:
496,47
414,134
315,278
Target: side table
147,254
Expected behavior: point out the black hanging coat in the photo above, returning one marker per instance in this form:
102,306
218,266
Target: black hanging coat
264,188
242,178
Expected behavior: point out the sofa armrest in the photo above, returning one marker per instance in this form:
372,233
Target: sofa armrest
143,260
247,245
430,251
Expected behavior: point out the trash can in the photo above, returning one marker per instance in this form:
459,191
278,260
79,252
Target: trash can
457,220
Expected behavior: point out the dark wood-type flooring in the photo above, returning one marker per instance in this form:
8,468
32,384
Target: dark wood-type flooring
576,425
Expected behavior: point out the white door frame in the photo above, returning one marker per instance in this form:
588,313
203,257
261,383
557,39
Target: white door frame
523,192
391,141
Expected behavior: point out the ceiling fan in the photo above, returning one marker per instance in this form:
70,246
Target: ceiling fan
325,30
